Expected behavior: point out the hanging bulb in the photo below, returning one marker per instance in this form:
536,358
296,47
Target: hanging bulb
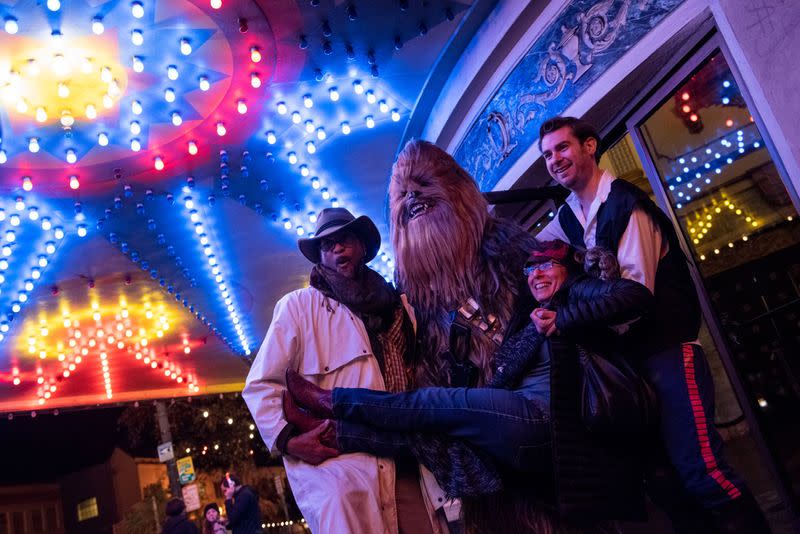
241,107
177,120
33,145
136,107
345,128
27,185
102,139
383,106
309,126
169,94
22,105
71,156
370,121
192,146
63,90
292,157
73,182
204,83
108,102
358,87
158,163
311,147
221,129
271,138
255,81
395,115
67,119
216,4
172,72
11,26
186,46
371,96
137,37
296,118
138,64
53,5
334,94
321,135
136,128
137,9
255,54
91,111
136,146
307,101
41,114
97,26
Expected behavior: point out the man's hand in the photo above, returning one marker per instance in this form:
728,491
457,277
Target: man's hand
309,448
228,492
544,320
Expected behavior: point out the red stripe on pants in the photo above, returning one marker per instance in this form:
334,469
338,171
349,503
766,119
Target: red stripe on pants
700,425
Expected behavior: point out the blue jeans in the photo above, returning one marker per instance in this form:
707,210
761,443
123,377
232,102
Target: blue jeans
506,426
683,382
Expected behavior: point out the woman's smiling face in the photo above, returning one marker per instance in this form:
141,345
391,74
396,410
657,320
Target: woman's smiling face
545,279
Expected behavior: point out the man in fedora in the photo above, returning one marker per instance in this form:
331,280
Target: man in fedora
350,328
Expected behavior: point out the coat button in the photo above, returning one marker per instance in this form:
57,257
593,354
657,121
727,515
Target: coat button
364,351
326,368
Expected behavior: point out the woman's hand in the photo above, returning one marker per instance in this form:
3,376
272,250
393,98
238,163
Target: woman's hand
544,320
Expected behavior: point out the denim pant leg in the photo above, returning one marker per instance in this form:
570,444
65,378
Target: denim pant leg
499,422
683,382
357,437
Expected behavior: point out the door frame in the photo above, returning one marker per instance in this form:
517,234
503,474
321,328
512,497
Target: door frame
671,77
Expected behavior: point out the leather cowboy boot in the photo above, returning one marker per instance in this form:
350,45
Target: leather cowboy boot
311,397
294,414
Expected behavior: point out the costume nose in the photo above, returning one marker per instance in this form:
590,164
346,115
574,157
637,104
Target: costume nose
411,195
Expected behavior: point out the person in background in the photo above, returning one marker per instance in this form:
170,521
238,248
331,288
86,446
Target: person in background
177,522
603,211
241,504
213,523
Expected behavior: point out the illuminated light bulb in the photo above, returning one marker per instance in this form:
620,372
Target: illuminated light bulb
136,107
186,46
73,182
371,96
42,261
255,80
693,117
308,102
172,72
729,123
108,102
137,37
311,147
102,139
304,170
296,118
58,232
241,107
334,202
63,90
216,4
33,145
136,127
3,157
309,126
67,119
27,185
325,193
312,217
11,236
358,87
177,120
169,94
333,93
726,101
271,138
136,146
192,147
255,54
50,248
292,157
11,25
71,156
158,163
370,121
204,83
685,96
345,128
97,26
91,111
221,129
138,64
282,108
300,231
321,135
137,9
383,106
315,183
53,5
287,224
41,114
395,115
22,105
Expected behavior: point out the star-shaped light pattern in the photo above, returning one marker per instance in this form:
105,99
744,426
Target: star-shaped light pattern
59,345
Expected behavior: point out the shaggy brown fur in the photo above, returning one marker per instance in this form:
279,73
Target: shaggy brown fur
452,251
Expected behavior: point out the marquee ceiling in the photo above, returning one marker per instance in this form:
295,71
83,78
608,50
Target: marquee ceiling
159,160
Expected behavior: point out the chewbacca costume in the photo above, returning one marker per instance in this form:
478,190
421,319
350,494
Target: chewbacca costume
459,264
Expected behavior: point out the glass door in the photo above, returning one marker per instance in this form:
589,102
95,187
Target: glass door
710,169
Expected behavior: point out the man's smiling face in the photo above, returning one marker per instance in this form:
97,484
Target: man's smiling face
570,162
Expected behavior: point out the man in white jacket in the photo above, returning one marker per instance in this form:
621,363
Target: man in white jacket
348,329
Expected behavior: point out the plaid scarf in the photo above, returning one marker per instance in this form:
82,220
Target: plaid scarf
378,305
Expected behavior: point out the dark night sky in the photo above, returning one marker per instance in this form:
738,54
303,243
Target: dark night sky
43,448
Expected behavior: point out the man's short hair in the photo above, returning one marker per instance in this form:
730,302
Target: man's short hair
174,507
580,128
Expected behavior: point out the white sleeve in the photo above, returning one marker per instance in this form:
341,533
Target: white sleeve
266,380
640,248
553,229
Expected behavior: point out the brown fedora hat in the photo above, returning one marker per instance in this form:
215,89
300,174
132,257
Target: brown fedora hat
332,220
